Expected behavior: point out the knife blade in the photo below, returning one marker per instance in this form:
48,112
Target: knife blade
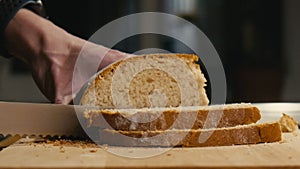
40,119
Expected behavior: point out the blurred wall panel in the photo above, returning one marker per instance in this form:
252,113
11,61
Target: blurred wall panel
291,50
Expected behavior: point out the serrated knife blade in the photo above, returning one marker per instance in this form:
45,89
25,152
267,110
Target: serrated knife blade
39,119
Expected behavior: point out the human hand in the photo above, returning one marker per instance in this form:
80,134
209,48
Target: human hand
51,53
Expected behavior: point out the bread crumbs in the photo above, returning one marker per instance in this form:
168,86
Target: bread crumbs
93,150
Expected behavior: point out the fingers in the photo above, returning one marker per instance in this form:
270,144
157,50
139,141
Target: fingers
69,73
68,99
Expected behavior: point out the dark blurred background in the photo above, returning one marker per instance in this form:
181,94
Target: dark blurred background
257,41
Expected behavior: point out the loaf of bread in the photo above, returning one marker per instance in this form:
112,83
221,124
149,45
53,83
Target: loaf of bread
173,118
243,134
160,100
151,80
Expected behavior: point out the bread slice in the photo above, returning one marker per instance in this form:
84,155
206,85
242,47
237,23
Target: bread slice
151,80
194,117
245,134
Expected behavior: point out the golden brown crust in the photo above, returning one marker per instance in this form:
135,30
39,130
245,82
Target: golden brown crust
270,131
191,57
165,119
247,134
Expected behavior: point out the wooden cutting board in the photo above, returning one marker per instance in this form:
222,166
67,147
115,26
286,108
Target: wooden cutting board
271,155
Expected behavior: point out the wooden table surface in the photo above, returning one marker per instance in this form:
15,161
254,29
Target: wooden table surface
285,154
272,155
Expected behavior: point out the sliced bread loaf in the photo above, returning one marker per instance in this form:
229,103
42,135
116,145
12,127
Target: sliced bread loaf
244,134
194,117
151,80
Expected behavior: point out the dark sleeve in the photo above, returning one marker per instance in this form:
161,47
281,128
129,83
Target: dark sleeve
8,9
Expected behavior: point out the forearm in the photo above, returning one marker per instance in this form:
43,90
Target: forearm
52,53
29,36
23,35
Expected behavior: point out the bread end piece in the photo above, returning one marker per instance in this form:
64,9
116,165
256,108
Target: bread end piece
288,123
